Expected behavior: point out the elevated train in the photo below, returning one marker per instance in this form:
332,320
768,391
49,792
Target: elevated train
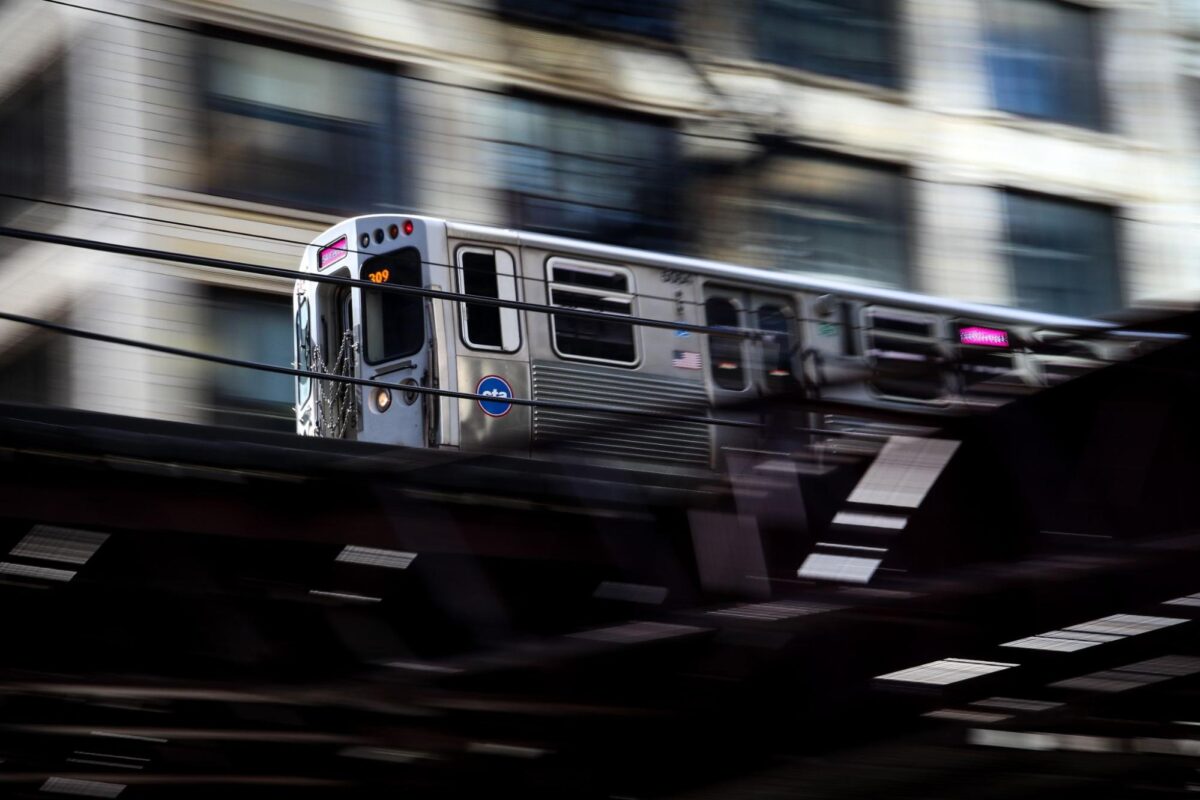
625,330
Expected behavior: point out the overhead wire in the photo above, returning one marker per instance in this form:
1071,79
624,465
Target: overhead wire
409,77
119,15
331,279
322,376
505,93
437,294
641,295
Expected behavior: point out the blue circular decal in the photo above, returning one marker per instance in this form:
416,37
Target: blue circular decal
494,386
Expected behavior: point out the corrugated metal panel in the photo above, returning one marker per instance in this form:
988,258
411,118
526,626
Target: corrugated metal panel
617,435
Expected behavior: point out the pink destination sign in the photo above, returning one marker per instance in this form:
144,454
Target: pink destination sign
332,253
987,337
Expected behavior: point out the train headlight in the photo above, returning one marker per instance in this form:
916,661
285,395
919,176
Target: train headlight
383,399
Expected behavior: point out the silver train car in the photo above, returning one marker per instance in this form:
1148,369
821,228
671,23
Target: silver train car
629,334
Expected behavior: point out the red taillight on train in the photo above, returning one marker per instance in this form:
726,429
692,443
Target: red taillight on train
408,227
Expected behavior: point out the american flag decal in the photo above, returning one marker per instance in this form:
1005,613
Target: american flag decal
686,359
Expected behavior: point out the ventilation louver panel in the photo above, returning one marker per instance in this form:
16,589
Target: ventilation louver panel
619,435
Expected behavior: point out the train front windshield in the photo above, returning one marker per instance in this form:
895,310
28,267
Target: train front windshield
393,323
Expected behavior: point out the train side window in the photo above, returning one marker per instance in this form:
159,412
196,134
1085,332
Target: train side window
489,273
592,287
776,346
725,353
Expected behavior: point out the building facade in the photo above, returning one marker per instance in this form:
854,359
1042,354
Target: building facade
1038,153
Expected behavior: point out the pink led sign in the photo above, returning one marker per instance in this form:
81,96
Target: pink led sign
985,337
332,253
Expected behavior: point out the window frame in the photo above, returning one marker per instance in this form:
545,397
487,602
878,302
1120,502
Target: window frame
387,172
35,137
867,333
1094,58
1117,289
510,318
364,326
728,295
303,350
785,307
791,205
894,44
515,10
225,405
599,268
650,226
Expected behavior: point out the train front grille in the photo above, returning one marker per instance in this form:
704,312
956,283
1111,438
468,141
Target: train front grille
617,435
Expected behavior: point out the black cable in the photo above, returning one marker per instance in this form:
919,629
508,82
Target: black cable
321,376
170,25
267,238
146,218
437,294
432,81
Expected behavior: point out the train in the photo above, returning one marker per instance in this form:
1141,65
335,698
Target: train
484,339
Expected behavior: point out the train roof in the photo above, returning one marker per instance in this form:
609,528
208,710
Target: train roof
764,277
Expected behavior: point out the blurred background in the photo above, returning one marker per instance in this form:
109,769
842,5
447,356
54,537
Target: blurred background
187,611
1034,153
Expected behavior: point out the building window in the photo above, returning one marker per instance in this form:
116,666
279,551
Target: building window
35,372
253,327
32,141
589,174
835,216
592,287
652,18
295,129
1063,255
1042,60
853,39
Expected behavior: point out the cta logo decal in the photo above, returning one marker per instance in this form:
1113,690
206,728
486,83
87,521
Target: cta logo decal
493,386
332,252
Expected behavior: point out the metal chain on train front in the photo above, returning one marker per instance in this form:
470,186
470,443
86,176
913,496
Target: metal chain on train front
339,412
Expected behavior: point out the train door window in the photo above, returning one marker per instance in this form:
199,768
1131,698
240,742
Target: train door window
592,287
304,358
345,312
488,273
393,323
340,337
725,352
776,347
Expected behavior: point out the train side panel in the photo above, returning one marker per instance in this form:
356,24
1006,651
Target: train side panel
615,365
491,345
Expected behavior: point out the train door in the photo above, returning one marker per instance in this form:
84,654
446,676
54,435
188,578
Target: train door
394,348
493,358
774,318
329,328
306,407
755,366
745,370
729,377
